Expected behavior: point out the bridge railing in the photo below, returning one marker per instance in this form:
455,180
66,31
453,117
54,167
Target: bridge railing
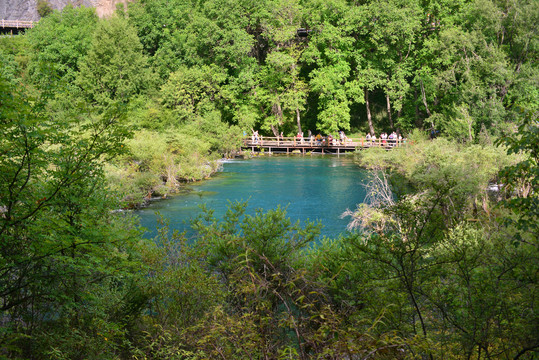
298,142
17,24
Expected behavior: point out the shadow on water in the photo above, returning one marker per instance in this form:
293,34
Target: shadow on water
315,188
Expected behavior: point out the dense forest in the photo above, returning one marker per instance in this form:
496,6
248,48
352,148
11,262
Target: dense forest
100,114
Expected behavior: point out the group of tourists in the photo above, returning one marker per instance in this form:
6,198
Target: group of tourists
329,139
385,139
391,140
320,140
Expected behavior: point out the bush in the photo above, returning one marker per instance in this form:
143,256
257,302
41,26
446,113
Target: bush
43,8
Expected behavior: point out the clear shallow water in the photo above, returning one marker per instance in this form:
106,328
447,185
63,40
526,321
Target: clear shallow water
314,188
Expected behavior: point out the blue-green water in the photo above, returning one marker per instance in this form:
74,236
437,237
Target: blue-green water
315,188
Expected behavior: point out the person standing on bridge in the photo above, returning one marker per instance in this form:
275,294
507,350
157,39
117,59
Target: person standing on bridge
300,137
255,136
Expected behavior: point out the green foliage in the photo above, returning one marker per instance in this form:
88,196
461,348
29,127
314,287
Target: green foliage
156,164
522,179
277,303
114,69
59,43
425,163
435,272
194,90
10,68
43,8
181,293
282,92
455,66
479,286
438,257
66,259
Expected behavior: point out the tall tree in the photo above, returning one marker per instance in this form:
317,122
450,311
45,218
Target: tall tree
59,43
115,68
193,91
281,91
329,51
60,242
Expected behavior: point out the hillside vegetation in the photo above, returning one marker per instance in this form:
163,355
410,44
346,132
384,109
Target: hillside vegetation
99,114
196,76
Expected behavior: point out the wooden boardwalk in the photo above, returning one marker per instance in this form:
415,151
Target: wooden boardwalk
291,144
17,24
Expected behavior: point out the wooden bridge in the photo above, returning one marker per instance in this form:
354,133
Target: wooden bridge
323,146
17,24
13,27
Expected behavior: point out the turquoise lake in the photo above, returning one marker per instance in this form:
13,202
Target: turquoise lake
310,188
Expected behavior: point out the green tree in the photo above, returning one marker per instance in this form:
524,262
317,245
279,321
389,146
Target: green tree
281,91
255,258
43,8
62,250
59,42
522,179
330,51
438,256
114,69
385,36
278,307
194,91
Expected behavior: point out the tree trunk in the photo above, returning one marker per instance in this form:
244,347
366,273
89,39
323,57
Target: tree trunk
389,111
418,122
275,131
278,111
424,97
369,117
470,133
298,118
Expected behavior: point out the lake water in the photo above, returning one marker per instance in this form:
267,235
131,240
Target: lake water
315,188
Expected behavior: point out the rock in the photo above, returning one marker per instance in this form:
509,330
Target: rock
27,9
